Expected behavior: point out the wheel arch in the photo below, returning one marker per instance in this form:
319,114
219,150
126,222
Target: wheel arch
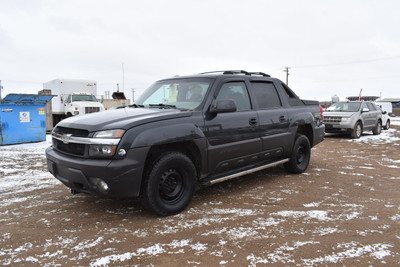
359,121
307,130
188,148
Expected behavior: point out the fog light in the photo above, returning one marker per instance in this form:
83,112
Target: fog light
101,185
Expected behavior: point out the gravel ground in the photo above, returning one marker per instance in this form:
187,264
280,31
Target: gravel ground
344,210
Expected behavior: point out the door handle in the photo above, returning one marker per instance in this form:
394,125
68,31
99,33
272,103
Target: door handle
253,121
282,119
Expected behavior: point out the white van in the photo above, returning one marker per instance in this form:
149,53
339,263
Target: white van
387,110
385,106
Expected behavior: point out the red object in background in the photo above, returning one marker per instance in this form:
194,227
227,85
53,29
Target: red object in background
322,112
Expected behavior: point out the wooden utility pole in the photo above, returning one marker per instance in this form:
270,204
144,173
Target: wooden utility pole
287,75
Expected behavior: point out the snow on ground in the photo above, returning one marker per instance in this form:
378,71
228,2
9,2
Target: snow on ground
14,159
395,121
386,137
265,225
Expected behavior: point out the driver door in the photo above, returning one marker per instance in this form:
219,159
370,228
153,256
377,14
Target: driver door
233,138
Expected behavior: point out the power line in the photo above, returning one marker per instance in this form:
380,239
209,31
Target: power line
21,81
347,63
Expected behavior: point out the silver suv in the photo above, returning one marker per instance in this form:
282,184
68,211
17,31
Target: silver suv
353,117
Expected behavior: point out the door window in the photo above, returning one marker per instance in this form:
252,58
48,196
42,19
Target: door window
237,92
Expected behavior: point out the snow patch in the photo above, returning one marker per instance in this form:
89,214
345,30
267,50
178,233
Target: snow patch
320,215
377,251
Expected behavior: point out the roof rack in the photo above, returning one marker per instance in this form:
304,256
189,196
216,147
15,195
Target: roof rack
237,72
227,72
259,73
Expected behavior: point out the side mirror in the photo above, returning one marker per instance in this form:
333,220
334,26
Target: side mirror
223,106
365,110
384,112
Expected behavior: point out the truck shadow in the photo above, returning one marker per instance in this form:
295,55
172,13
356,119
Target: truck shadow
119,209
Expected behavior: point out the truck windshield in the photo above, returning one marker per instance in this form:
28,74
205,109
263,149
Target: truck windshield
89,98
345,106
177,93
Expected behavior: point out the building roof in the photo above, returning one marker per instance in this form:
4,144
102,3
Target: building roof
365,98
390,100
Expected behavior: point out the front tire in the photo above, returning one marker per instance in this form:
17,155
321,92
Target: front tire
169,184
357,131
300,157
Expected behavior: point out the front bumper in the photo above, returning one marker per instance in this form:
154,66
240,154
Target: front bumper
123,176
337,128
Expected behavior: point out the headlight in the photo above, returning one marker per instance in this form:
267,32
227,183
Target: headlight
346,119
105,143
102,151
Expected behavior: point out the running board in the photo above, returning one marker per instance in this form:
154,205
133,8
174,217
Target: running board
248,171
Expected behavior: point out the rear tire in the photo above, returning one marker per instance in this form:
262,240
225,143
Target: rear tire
169,185
357,131
387,125
300,157
377,130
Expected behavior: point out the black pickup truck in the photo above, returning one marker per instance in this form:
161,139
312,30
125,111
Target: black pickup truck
184,133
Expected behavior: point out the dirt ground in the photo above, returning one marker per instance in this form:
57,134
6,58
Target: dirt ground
344,210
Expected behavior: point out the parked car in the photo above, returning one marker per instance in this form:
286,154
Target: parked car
385,120
385,106
186,132
353,118
387,111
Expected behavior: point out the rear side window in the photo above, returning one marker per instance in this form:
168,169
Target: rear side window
371,106
292,97
364,105
289,93
266,95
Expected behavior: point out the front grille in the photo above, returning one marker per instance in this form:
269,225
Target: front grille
332,119
91,109
70,148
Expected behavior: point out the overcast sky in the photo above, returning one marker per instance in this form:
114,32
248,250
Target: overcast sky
332,47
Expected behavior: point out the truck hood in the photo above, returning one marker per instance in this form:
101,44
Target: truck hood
121,118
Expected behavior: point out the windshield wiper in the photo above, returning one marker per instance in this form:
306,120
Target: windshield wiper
161,106
136,106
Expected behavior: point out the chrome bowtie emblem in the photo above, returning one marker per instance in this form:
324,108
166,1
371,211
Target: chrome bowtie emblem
65,138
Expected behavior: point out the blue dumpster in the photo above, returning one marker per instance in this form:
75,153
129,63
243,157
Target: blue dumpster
23,118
